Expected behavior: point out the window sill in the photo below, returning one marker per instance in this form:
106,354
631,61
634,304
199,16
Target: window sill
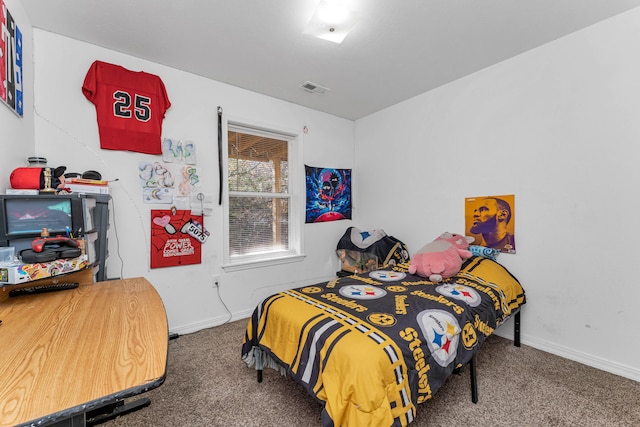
246,265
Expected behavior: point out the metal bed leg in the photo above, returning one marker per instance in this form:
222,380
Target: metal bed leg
472,362
516,329
474,379
257,353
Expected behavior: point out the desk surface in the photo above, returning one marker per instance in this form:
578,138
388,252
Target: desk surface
74,350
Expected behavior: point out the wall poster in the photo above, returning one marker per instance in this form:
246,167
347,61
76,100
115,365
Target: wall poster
491,220
10,61
176,238
328,194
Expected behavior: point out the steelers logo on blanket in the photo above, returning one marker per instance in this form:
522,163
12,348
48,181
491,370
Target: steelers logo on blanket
396,288
387,276
469,336
312,290
461,293
442,332
381,319
362,292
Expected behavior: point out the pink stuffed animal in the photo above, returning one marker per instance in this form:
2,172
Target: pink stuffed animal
441,258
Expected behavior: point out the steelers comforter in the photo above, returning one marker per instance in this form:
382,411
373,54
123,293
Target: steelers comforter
372,346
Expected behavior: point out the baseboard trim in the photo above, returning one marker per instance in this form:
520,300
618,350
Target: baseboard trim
576,356
260,294
211,322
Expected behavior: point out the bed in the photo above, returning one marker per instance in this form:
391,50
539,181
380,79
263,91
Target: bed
373,346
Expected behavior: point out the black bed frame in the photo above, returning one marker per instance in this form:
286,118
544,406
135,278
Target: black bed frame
472,362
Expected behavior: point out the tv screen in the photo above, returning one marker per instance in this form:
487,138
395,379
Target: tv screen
26,216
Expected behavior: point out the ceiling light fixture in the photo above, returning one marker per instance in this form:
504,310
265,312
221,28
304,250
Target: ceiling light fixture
332,21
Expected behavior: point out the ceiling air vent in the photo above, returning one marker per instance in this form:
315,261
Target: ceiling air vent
314,88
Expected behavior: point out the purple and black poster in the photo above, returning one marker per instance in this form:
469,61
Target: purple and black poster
328,194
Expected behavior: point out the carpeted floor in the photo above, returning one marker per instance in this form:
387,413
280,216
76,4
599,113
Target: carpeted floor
208,385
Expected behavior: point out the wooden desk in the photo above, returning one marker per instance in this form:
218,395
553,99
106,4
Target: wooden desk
69,352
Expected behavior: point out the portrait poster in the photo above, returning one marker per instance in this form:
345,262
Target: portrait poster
328,194
491,221
176,238
10,61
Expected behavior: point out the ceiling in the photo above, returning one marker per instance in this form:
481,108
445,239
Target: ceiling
398,49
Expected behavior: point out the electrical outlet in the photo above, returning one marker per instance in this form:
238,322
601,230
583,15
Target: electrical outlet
216,280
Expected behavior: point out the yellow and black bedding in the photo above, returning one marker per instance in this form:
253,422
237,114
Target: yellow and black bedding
373,346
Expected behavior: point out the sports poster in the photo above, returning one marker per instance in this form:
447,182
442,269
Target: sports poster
491,221
328,194
176,238
10,61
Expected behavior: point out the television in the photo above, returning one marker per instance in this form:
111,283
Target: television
23,217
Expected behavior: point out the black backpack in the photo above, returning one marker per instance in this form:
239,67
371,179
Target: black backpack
389,250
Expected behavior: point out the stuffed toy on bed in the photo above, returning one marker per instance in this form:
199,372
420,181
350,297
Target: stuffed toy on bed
441,258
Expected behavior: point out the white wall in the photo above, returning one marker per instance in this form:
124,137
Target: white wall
559,127
66,133
16,133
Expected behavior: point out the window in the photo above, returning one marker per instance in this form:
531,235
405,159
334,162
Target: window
260,197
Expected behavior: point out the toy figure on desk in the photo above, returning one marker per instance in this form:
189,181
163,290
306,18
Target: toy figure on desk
43,179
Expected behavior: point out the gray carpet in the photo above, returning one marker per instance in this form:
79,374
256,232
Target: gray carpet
208,385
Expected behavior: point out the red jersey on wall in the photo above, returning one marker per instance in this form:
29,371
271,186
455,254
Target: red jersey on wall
130,107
